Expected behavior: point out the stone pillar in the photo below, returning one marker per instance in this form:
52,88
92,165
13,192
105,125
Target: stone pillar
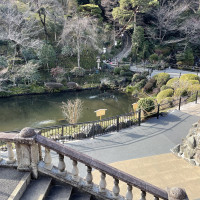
116,189
34,160
28,154
177,194
102,184
89,177
11,156
75,170
129,194
47,159
143,195
61,164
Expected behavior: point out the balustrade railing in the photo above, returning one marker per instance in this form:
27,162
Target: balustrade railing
28,156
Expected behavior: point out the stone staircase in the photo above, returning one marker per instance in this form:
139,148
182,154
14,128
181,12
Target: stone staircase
19,185
57,182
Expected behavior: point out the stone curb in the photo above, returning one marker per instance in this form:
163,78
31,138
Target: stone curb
21,187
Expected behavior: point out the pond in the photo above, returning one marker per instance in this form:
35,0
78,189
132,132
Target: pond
45,110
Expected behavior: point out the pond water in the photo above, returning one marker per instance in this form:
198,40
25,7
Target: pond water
45,110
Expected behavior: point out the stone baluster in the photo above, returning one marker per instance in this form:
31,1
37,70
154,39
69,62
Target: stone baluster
143,195
129,194
89,177
75,169
11,156
0,156
47,159
61,164
177,193
156,198
116,189
40,152
102,184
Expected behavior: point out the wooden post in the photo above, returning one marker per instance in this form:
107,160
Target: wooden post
158,112
139,117
197,97
179,106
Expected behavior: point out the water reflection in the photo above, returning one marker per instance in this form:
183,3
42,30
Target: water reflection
45,110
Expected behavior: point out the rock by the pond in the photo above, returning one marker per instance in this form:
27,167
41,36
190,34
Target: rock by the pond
72,85
189,149
53,86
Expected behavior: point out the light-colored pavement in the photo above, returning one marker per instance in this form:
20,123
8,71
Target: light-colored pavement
163,171
173,72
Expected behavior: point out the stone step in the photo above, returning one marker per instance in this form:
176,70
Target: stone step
37,189
79,195
12,183
59,192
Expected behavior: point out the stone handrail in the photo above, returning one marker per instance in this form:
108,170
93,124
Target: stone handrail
102,167
29,157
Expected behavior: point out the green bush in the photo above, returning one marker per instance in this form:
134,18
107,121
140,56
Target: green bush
162,79
166,103
194,88
122,72
141,84
150,85
180,92
125,67
146,104
193,82
3,62
117,70
78,71
188,77
129,89
172,82
165,87
153,58
138,77
164,94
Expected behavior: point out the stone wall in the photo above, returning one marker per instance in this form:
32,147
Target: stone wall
189,149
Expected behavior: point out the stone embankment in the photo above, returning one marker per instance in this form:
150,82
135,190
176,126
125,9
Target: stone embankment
189,149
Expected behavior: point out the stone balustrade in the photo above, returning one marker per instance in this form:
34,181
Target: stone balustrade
28,157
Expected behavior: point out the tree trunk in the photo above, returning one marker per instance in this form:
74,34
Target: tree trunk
135,21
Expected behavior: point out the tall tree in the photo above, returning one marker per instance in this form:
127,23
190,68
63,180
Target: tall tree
79,32
127,12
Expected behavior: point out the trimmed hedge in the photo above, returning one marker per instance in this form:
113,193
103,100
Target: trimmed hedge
193,82
180,92
194,88
162,79
187,77
172,82
147,104
164,94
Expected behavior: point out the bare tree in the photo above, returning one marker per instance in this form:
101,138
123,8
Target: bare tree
19,28
72,110
168,18
79,32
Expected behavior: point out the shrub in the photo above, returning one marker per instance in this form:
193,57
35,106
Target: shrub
138,77
188,77
172,82
180,92
146,104
163,94
122,72
125,67
150,85
117,70
141,84
153,58
194,88
129,89
78,71
193,82
166,103
164,87
162,79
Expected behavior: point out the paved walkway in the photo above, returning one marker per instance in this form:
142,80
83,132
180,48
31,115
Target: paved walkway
164,171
